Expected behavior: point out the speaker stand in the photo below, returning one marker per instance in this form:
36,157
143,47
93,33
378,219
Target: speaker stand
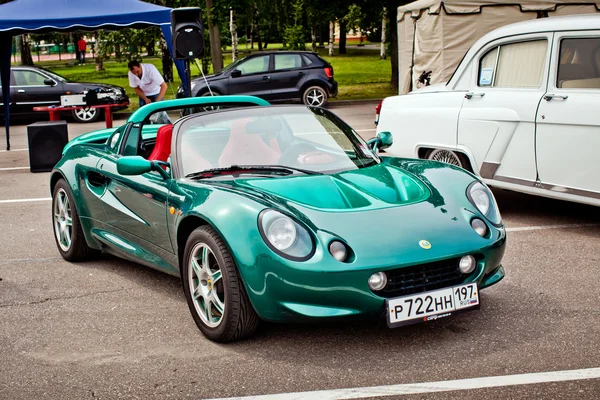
188,73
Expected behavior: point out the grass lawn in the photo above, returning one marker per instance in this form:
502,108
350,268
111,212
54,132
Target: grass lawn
360,74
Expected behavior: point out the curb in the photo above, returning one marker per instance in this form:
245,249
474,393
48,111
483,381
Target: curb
334,103
330,104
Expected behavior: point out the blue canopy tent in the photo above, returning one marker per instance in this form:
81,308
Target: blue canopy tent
40,16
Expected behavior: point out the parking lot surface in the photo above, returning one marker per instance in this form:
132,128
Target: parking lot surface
113,329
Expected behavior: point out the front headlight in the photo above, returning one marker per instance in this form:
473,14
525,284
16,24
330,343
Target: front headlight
482,198
285,236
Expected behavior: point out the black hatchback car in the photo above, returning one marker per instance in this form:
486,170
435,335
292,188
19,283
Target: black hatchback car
36,87
273,76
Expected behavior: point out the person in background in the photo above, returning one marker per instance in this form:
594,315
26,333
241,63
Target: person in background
147,82
77,53
81,46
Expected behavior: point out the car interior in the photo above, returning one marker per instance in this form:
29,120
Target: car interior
579,66
255,140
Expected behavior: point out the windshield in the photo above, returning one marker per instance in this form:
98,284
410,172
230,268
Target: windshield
55,76
458,66
231,66
311,139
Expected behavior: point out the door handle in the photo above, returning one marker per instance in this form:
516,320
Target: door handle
300,73
21,91
551,96
266,78
470,95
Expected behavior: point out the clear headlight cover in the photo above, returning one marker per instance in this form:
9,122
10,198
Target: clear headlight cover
482,198
285,236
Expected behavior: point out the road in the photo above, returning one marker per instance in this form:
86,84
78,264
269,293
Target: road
112,329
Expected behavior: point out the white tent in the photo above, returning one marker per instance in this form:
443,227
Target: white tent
434,35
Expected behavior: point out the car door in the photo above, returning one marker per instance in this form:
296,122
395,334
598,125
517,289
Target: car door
254,77
31,91
136,206
288,71
568,124
497,119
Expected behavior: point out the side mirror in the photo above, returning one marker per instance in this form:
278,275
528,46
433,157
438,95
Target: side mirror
381,142
49,82
236,73
136,165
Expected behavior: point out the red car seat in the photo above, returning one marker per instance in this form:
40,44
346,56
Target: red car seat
162,148
246,148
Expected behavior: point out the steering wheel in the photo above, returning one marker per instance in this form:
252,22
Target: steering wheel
290,155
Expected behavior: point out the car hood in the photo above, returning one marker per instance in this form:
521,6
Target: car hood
376,187
91,85
211,77
381,212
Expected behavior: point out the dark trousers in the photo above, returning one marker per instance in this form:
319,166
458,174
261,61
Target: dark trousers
82,57
151,98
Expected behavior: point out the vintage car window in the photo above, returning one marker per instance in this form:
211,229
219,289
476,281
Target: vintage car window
28,78
293,136
579,64
487,68
254,65
503,66
287,61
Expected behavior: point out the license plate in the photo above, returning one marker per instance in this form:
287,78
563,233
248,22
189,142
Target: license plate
432,305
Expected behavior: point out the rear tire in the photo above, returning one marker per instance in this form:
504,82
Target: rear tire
68,232
315,96
214,289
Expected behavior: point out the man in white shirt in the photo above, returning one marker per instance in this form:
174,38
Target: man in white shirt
147,82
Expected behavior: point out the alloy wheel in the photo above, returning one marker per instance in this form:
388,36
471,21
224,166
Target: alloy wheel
86,114
63,220
445,156
315,97
206,285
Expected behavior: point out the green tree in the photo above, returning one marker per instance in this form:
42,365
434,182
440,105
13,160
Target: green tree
294,34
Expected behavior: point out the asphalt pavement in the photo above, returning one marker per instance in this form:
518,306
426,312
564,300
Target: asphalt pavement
112,329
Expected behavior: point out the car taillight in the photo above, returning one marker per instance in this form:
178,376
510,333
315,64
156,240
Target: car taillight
378,108
328,71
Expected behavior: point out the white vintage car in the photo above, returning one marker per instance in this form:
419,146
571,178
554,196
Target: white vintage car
522,110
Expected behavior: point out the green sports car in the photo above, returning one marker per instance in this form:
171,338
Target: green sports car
279,213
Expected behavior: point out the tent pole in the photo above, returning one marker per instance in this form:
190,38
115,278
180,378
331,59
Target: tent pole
5,53
412,66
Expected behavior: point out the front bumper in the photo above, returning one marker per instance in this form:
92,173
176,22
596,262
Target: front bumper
290,292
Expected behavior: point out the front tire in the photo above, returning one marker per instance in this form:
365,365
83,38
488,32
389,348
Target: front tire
68,232
315,96
86,115
214,290
448,157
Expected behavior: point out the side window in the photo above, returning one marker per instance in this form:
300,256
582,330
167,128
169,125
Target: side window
28,78
307,60
517,65
287,61
255,65
579,64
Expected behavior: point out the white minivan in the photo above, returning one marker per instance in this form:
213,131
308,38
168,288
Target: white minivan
522,110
